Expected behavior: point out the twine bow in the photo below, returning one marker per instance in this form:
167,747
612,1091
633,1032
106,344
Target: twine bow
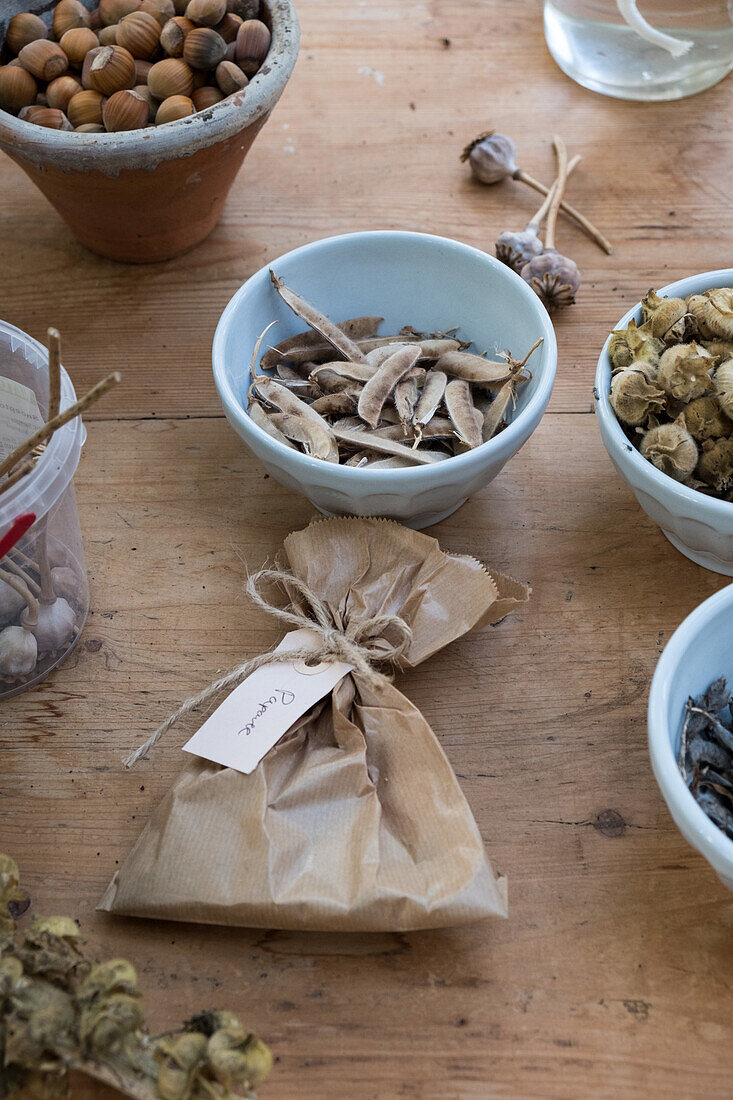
359,643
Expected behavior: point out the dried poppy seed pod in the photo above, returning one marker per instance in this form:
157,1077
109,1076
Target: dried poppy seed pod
517,249
18,652
85,109
491,157
144,92
111,11
206,97
112,70
173,35
229,26
203,49
18,88
705,419
173,109
230,78
671,448
56,620
24,29
139,33
170,77
253,44
125,110
76,44
633,397
666,318
161,10
61,91
67,15
553,277
206,13
45,60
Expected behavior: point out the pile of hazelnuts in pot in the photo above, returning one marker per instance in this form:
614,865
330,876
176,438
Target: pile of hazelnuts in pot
129,63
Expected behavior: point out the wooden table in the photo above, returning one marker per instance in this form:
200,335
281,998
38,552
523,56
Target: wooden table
612,976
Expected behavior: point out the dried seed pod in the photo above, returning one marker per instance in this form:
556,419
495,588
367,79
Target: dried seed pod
334,404
178,1059
144,92
723,382
18,652
356,372
634,397
206,97
372,442
670,448
76,44
67,15
230,78
383,381
56,620
105,978
356,328
276,395
45,60
715,467
173,35
206,13
23,29
406,395
316,439
104,1024
61,91
464,415
125,110
517,249
262,420
174,108
696,304
553,277
85,109
717,312
684,371
18,88
108,35
431,397
170,77
238,1059
112,70
491,157
161,10
51,119
139,32
203,49
665,318
111,11
228,27
704,419
318,321
474,368
253,44
142,68
631,343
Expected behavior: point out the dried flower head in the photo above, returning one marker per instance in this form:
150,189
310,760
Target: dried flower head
704,419
671,448
715,467
723,382
716,312
491,157
684,371
516,249
554,277
666,318
634,397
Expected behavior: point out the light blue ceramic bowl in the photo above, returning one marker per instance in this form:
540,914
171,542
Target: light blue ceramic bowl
699,651
409,278
699,526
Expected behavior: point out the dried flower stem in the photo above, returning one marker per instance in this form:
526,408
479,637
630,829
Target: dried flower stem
47,430
20,572
557,191
585,225
54,373
541,214
23,590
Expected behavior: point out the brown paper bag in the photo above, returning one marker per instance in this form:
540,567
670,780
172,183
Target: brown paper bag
355,820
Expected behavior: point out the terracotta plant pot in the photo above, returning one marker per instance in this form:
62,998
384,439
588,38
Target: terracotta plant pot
148,195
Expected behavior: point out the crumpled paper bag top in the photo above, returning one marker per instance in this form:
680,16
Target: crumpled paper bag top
355,820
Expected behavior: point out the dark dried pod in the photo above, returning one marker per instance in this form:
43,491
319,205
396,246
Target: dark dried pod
491,157
553,277
517,249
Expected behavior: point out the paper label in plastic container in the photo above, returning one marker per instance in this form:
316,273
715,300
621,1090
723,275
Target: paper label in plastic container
254,717
20,416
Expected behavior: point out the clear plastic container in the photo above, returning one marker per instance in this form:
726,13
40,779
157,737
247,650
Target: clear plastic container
41,624
596,44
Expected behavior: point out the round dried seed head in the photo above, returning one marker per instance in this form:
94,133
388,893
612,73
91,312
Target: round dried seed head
174,108
230,78
139,32
76,44
705,419
61,91
684,372
23,29
723,382
715,467
173,35
665,317
45,60
51,119
125,110
170,77
717,312
67,15
112,70
491,157
18,88
111,11
85,109
203,49
206,13
161,10
253,43
634,397
671,448
206,97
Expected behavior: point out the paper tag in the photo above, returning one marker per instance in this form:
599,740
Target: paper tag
20,416
251,720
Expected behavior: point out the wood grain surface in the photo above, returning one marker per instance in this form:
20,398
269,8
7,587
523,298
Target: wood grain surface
613,975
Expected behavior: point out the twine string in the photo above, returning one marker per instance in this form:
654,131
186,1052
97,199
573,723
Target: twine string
361,644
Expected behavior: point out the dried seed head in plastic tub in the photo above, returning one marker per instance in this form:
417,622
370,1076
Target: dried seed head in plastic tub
44,593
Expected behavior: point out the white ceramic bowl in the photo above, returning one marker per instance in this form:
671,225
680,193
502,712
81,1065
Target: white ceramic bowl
698,652
701,527
409,278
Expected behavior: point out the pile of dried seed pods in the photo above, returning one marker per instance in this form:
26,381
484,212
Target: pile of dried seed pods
705,754
344,394
129,64
672,387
